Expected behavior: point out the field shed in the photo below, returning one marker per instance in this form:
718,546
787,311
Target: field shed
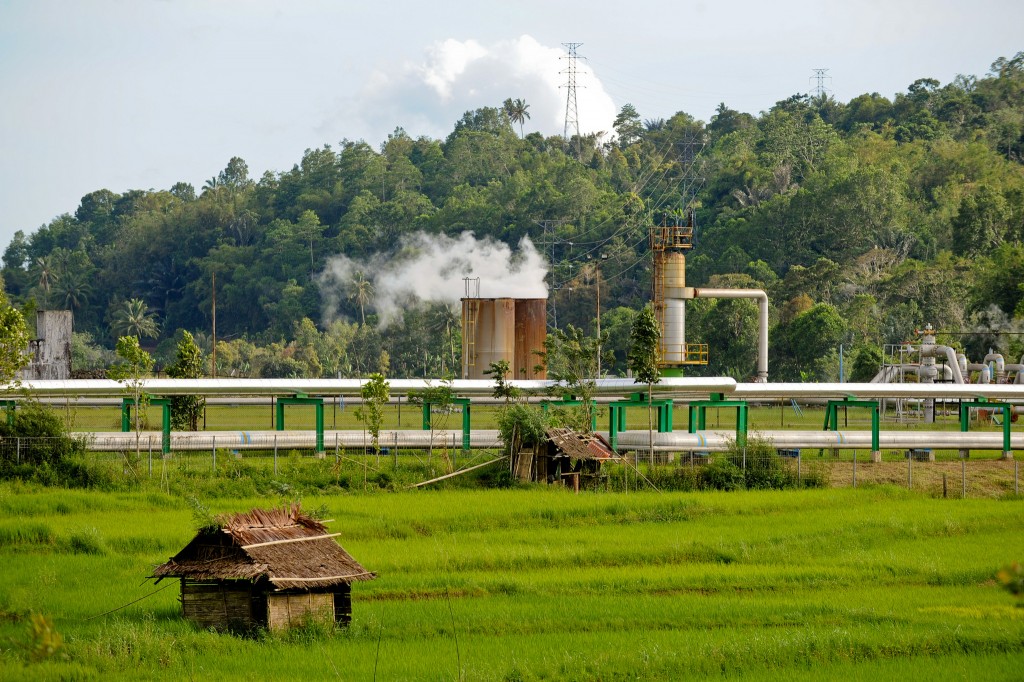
265,568
570,456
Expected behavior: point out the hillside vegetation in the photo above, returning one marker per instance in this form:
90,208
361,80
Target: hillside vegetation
864,220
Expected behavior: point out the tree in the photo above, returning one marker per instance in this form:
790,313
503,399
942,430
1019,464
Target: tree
643,361
131,372
375,394
627,125
188,364
516,110
13,341
361,291
133,318
571,359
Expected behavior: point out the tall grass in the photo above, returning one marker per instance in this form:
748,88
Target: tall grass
543,584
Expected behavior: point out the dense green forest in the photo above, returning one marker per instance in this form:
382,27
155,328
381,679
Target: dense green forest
863,220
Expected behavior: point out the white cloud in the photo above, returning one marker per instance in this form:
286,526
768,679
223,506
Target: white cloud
428,95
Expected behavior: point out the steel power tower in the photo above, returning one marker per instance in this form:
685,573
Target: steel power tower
572,122
820,76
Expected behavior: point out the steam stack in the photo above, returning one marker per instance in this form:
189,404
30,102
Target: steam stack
511,329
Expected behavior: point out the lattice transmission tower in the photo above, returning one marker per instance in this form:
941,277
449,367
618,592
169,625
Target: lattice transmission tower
819,77
572,122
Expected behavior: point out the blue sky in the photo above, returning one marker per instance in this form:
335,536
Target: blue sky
140,94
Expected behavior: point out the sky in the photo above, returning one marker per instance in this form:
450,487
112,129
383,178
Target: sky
141,94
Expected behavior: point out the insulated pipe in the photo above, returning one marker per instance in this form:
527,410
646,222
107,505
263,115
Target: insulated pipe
328,387
762,326
861,440
1000,373
752,391
489,438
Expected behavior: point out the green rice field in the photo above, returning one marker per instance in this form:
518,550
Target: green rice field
537,583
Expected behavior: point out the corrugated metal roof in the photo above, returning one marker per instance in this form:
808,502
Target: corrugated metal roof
581,445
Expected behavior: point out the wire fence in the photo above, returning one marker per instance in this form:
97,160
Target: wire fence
939,474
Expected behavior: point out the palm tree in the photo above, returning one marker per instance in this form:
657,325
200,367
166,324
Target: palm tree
361,292
517,111
133,318
74,290
47,275
445,321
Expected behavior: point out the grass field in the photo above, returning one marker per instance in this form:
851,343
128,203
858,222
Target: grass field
537,583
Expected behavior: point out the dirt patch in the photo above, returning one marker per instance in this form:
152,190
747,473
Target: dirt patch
970,478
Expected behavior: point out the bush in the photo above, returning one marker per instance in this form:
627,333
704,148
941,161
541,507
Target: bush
521,425
721,474
37,447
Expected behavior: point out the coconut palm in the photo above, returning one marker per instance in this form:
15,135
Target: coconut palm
361,291
47,275
517,111
133,318
73,290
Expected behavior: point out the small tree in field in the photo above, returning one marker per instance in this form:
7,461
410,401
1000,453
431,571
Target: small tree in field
375,393
643,361
131,372
188,364
571,359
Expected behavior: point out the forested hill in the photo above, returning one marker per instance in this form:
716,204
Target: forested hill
864,220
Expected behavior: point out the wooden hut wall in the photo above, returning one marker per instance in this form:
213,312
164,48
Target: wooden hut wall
343,604
219,604
287,610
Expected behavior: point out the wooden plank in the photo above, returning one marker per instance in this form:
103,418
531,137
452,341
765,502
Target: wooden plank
457,473
281,542
326,577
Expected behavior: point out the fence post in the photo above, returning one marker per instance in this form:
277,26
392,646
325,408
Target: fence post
275,454
799,473
151,458
744,458
336,448
854,468
910,471
215,453
17,449
963,477
1016,486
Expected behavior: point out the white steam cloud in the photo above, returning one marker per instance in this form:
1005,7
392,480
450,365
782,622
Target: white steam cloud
431,268
429,95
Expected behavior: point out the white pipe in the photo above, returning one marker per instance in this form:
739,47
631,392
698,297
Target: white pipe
750,391
488,438
326,387
762,326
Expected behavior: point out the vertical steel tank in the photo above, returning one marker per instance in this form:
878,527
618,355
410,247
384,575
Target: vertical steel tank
509,329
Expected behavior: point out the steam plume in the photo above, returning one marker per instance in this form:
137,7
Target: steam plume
431,268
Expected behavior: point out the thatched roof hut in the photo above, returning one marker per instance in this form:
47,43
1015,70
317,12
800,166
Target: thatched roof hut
565,456
265,568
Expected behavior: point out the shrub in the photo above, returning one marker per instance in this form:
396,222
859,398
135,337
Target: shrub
37,447
721,474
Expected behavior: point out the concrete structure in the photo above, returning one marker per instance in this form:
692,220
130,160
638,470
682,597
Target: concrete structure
51,349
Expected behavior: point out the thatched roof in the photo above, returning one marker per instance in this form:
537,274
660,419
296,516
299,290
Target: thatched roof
581,445
288,548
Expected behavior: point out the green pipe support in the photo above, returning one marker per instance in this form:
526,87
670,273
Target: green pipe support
981,403
698,415
832,419
617,414
302,399
467,412
165,419
9,406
